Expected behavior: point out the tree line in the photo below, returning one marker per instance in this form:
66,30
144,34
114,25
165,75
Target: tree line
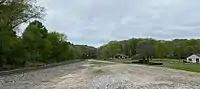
148,48
36,45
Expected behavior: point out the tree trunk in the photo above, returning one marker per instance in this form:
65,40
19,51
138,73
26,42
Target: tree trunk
2,61
148,59
144,60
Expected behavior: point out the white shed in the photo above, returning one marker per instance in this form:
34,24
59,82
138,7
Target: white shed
194,58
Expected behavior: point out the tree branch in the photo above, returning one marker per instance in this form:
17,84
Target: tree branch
25,20
2,1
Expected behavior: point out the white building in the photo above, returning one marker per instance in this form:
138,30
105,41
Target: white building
194,58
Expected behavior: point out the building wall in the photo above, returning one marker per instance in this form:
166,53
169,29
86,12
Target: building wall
193,57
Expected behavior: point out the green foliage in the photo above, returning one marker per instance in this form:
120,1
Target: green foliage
150,48
86,52
145,48
12,14
36,45
110,50
15,12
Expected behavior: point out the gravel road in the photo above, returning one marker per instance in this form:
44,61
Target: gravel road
95,74
38,79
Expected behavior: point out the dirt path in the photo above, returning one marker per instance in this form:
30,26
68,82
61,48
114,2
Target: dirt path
95,74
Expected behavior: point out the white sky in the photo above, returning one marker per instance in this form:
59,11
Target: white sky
96,22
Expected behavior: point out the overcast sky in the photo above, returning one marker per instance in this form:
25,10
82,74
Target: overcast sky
96,22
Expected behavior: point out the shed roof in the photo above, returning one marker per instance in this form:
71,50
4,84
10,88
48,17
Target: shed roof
197,54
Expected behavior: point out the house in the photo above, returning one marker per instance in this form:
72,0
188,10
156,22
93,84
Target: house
194,58
121,56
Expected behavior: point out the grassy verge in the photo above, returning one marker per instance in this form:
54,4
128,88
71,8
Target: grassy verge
176,64
169,63
187,67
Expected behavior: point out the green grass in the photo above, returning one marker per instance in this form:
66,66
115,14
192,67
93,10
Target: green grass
165,60
170,63
187,67
176,64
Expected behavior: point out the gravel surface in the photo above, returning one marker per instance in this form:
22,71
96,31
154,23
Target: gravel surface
37,79
123,82
86,75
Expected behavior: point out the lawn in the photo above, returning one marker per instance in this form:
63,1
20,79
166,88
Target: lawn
176,64
169,63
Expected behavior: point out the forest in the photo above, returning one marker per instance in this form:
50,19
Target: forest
36,45
150,48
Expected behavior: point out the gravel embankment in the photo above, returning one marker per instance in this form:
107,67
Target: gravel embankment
36,79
